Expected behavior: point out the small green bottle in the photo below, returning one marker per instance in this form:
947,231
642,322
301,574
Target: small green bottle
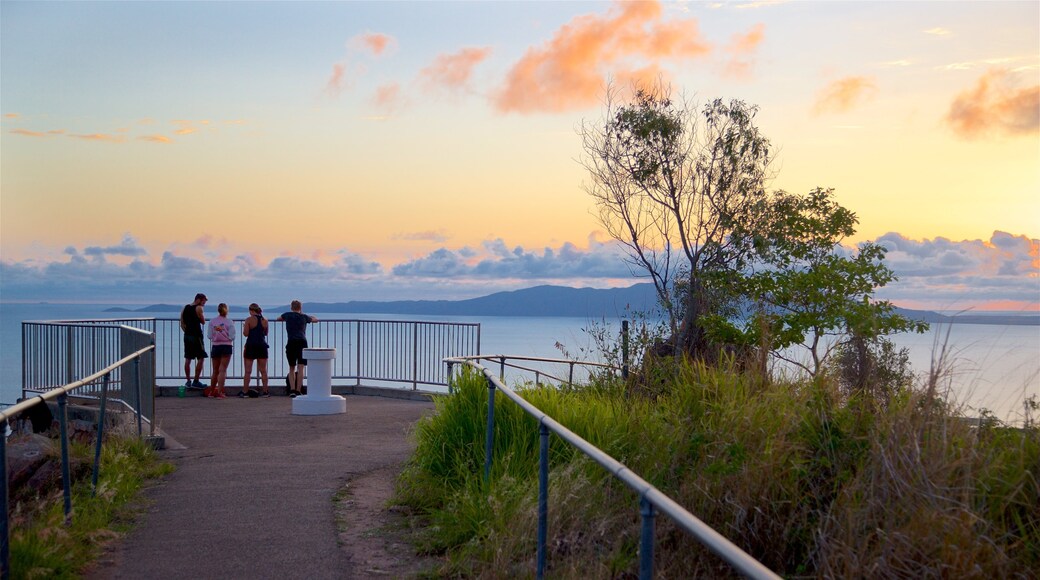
180,391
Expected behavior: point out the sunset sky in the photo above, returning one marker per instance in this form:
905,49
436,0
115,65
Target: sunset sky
412,150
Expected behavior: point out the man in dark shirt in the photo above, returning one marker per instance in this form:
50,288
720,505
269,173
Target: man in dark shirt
192,319
296,330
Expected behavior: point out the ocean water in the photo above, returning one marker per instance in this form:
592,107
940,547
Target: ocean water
992,367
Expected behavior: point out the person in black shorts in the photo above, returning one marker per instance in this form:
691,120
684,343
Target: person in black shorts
192,319
296,331
255,331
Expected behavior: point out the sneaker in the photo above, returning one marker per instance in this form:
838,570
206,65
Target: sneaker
266,395
294,394
221,396
187,384
197,385
242,395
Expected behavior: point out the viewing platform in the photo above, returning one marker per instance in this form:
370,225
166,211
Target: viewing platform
253,491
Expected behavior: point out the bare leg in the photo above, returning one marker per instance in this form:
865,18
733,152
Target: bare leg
222,372
248,362
261,367
214,378
187,370
198,368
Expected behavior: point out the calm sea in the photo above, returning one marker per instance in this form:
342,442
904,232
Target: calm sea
994,367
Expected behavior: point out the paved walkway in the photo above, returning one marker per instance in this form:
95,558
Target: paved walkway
252,494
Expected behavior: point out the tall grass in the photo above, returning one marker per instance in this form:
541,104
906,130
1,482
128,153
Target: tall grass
43,546
807,480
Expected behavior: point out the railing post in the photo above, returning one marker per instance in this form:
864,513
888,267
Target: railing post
100,435
451,388
66,477
502,368
357,370
489,439
570,375
415,355
70,359
543,494
624,349
646,539
5,546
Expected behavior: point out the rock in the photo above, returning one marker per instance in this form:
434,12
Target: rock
25,455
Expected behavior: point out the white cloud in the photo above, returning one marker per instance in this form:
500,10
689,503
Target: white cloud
933,273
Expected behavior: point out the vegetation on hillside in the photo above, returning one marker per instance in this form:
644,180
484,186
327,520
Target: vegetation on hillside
808,478
42,545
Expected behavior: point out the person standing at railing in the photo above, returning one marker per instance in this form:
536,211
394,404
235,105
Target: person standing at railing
192,319
255,331
221,332
296,331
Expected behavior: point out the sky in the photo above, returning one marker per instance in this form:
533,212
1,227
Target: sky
336,151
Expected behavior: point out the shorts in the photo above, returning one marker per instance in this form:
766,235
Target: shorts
256,351
294,351
221,350
194,347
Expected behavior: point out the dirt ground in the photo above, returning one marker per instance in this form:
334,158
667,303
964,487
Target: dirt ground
375,537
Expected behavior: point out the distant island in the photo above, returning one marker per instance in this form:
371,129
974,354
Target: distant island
561,301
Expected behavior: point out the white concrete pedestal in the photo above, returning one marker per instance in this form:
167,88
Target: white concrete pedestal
319,399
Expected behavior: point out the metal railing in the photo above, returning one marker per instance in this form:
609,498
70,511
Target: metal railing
651,500
404,352
60,353
134,386
399,352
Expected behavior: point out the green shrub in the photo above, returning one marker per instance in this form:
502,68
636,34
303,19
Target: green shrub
799,475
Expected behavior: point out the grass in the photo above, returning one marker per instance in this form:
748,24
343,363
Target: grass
43,546
808,481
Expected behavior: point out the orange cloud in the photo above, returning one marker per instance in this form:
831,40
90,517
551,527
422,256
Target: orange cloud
388,98
185,131
994,105
156,138
740,48
453,71
11,115
335,84
101,137
842,95
375,42
567,72
28,133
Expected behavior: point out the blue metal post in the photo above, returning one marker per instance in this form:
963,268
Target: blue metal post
5,547
451,388
490,438
100,435
543,495
66,477
646,539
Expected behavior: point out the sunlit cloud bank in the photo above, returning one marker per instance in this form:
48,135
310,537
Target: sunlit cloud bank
1002,273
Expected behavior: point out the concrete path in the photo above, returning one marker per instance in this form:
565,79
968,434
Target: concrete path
252,494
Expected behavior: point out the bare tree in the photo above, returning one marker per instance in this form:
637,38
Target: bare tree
683,190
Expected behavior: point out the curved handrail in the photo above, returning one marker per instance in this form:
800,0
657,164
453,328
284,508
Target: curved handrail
56,392
717,543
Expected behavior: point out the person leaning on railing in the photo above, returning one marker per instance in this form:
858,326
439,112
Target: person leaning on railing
192,319
221,332
255,331
296,330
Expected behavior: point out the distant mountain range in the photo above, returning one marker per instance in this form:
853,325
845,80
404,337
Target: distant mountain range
558,301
